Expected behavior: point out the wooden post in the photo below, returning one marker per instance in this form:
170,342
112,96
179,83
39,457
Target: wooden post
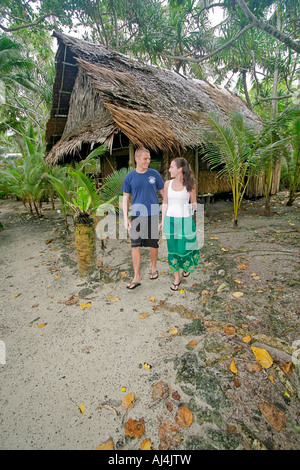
197,170
131,156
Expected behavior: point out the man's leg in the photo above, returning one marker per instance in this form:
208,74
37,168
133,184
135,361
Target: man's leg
153,258
136,261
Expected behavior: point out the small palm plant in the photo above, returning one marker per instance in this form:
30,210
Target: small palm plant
238,151
84,206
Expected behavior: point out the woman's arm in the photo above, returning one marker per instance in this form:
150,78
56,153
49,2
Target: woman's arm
164,205
193,198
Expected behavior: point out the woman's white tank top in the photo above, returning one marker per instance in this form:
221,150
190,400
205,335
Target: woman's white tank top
178,202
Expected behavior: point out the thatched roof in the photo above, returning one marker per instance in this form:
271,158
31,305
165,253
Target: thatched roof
99,92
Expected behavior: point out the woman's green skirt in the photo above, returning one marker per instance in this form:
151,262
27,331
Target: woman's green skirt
181,235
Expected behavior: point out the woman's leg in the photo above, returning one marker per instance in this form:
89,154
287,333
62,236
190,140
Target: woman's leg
175,285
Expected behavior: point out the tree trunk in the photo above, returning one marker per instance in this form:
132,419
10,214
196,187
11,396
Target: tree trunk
85,240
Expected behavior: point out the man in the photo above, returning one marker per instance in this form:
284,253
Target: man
143,183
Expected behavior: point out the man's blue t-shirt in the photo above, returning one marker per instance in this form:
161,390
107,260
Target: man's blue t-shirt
143,187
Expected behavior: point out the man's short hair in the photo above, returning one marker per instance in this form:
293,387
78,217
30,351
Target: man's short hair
140,151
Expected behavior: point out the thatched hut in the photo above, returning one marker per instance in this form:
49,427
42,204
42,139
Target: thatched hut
102,96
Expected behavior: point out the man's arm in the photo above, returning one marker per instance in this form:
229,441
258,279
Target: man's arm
125,205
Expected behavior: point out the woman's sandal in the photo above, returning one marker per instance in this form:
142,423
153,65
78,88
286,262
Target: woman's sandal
175,285
154,275
185,274
134,285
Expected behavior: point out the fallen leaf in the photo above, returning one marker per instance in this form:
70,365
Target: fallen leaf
107,445
135,428
182,291
167,433
271,378
256,368
184,417
255,276
17,295
214,238
175,395
82,408
224,249
146,365
35,305
232,367
41,325
71,301
286,367
160,390
84,305
57,276
123,389
175,331
49,241
152,299
128,401
237,383
228,307
242,266
144,315
238,294
247,339
275,416
123,274
193,343
115,299
262,356
146,445
229,330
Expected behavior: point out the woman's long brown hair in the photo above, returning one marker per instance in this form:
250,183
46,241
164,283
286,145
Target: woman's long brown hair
188,177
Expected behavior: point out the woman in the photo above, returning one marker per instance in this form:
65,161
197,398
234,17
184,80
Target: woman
179,203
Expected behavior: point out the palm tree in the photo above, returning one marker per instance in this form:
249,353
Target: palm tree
238,151
84,206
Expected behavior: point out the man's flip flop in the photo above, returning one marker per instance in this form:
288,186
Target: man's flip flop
134,284
154,275
185,274
175,285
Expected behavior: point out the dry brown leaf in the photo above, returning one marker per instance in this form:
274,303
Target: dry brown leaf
41,325
144,315
184,417
107,445
167,433
286,367
175,395
242,266
193,343
229,330
127,401
71,301
237,383
275,416
160,390
135,428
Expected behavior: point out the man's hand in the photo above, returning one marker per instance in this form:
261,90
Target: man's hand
127,224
